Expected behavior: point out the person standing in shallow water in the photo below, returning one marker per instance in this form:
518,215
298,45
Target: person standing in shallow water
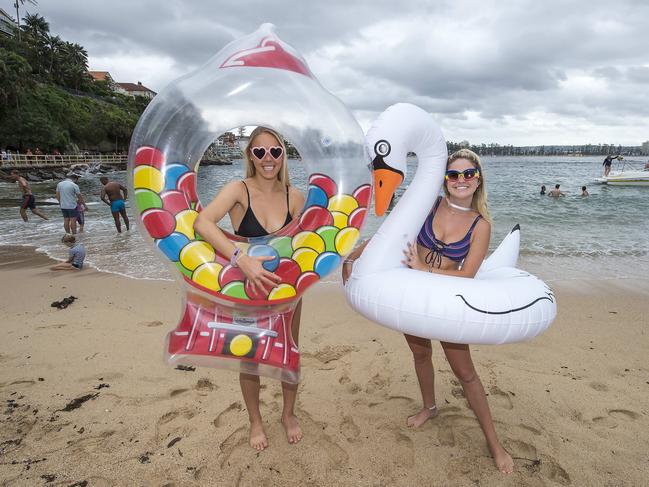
461,217
261,204
115,195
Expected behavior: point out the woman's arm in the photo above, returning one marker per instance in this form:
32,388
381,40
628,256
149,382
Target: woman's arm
205,225
349,260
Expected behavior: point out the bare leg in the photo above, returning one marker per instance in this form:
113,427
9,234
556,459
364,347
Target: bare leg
289,391
23,214
125,217
250,390
63,266
422,355
459,357
66,225
118,224
73,225
39,213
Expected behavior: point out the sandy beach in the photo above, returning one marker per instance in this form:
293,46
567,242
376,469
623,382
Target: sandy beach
87,399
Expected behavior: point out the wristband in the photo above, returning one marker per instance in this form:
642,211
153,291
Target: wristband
235,255
349,261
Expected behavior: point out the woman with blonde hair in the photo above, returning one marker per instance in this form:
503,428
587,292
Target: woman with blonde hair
259,205
453,241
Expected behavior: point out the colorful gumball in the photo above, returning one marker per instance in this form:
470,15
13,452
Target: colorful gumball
309,240
340,219
147,177
282,245
328,234
305,280
172,245
174,201
235,289
315,217
288,270
357,217
346,239
325,263
363,195
305,258
265,251
283,291
187,184
149,156
254,292
172,173
229,274
185,223
343,203
316,196
196,253
158,222
325,183
146,199
207,275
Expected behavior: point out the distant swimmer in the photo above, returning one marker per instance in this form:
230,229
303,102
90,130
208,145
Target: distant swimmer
584,191
556,192
28,200
543,189
608,161
115,195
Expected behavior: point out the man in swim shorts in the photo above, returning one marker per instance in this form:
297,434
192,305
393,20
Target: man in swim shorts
69,196
556,192
115,195
28,200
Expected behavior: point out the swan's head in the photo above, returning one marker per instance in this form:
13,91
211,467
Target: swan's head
388,175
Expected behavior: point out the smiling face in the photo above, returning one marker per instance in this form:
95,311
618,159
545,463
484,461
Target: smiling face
266,155
462,188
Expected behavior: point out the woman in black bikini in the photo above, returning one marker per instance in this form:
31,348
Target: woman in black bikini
259,205
461,218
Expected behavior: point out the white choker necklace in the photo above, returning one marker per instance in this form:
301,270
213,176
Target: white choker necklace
457,207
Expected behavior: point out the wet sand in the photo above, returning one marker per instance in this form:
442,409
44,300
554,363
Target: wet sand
86,397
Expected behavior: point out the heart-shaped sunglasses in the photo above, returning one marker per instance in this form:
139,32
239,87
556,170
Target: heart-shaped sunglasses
260,152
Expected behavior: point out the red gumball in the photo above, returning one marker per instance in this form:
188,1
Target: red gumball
187,184
174,201
363,195
325,183
289,271
229,274
149,156
305,280
315,217
357,217
158,222
254,293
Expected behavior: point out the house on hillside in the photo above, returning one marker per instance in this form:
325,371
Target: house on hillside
132,89
102,76
8,25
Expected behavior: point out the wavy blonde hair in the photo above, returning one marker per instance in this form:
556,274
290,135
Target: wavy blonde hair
282,176
479,201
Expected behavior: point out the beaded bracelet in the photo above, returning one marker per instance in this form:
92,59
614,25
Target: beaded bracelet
235,255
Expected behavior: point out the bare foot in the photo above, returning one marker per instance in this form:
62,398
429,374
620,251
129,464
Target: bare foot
421,417
292,427
257,436
503,460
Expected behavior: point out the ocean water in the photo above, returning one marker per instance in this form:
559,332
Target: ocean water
604,236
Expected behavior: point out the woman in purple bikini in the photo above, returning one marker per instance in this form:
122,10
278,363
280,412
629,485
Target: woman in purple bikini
259,205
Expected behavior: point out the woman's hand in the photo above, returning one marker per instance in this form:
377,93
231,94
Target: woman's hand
260,279
412,259
347,270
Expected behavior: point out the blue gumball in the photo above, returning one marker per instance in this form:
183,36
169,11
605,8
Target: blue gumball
265,251
172,245
172,172
325,263
316,197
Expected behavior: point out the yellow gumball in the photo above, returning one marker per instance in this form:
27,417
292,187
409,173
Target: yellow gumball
240,345
282,291
196,253
346,239
185,223
148,177
309,240
340,219
207,275
343,203
305,258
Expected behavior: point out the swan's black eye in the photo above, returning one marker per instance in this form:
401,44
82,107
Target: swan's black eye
382,148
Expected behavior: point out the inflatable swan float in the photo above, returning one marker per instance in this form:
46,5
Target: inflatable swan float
501,304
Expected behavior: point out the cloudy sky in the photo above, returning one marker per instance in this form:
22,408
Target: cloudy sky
519,72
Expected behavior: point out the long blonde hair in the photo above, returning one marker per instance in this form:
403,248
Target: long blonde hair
282,176
479,201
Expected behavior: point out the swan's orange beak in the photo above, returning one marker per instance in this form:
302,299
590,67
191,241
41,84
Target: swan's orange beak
386,182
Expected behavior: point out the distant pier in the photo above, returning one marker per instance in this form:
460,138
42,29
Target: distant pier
22,161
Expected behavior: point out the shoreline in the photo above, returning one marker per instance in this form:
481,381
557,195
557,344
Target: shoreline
88,397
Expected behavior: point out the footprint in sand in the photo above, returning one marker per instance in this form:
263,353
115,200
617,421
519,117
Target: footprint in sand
331,353
550,468
204,386
174,423
376,384
230,415
349,429
500,398
598,386
615,416
177,392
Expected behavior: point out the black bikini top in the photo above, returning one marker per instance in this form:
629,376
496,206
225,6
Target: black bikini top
250,226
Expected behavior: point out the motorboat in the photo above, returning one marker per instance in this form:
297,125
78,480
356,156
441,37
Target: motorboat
626,173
